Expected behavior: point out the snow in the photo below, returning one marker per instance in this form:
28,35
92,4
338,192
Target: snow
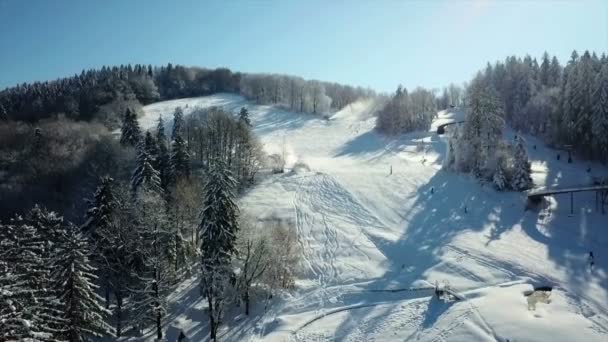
364,231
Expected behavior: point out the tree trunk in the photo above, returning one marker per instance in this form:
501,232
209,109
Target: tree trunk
247,300
118,316
159,330
212,324
107,286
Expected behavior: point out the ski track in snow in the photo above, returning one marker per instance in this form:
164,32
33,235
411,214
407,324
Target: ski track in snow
354,222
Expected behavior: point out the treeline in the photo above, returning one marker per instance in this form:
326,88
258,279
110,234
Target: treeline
143,234
94,94
406,112
299,95
564,105
104,94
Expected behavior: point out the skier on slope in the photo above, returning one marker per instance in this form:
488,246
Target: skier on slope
591,260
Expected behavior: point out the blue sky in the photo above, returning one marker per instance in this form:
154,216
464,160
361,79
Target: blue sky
361,42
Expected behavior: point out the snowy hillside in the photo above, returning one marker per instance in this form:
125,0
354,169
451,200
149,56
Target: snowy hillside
376,214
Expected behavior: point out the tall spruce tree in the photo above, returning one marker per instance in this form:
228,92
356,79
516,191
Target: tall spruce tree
521,179
153,281
130,131
244,117
13,293
164,167
74,277
218,228
98,228
179,125
35,302
145,176
180,159
600,114
151,147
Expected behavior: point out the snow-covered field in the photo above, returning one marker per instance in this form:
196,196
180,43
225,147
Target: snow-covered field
364,230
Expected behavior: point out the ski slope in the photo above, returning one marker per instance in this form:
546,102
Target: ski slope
374,242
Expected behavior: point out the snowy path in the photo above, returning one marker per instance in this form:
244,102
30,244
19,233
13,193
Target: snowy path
363,230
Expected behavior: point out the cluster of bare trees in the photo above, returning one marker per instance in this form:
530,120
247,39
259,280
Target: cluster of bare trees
267,258
406,112
214,134
452,95
299,95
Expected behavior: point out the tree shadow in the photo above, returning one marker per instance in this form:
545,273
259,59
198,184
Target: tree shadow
438,217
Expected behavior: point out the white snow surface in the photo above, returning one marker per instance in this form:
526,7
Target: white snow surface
363,231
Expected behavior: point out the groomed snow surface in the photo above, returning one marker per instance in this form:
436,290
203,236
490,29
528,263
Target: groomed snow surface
365,231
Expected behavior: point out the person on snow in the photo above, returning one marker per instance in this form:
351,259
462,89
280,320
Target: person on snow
591,260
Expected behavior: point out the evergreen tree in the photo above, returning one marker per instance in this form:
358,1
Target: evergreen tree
545,69
521,167
164,166
151,147
582,103
180,159
555,73
27,258
100,210
500,179
13,295
218,234
244,117
98,228
178,123
145,175
83,313
130,131
152,285
600,114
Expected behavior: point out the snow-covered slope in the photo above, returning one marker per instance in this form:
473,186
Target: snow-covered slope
364,229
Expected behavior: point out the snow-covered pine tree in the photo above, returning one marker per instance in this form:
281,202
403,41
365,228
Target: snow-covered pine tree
500,179
555,73
179,125
49,226
180,159
600,114
100,210
130,131
98,227
582,105
521,167
219,225
482,131
73,277
122,262
545,69
244,117
13,326
145,175
471,135
164,167
28,256
151,147
153,283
